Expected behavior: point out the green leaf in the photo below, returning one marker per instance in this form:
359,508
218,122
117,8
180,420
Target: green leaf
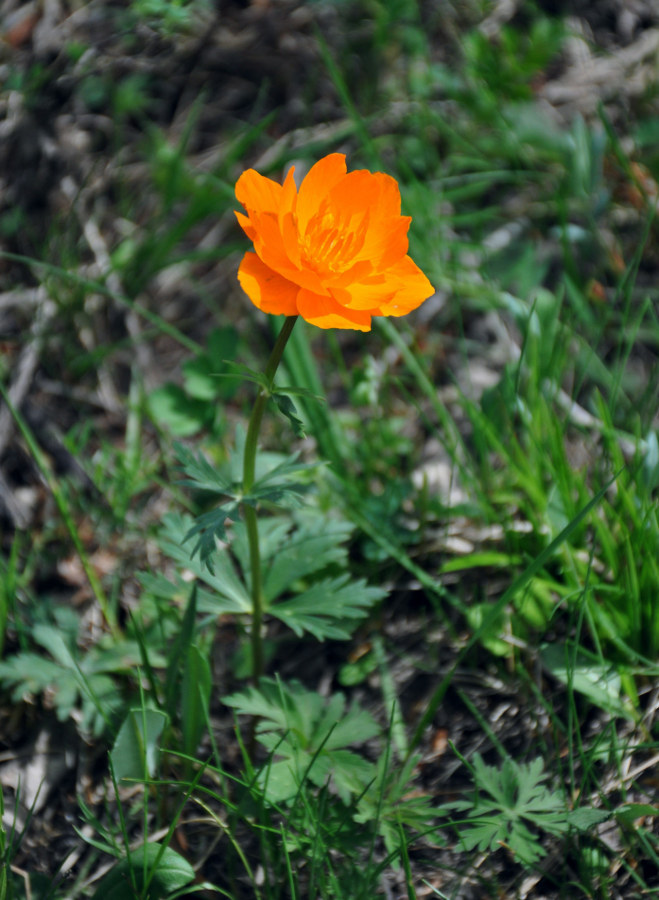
584,818
353,673
387,801
630,812
314,544
166,871
328,609
244,373
279,470
504,801
136,749
276,486
299,392
180,646
175,589
172,408
195,698
288,409
71,684
199,379
490,622
484,833
29,673
229,593
209,528
308,736
203,476
595,679
205,375
52,640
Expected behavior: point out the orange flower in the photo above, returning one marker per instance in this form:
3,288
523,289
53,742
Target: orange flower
334,252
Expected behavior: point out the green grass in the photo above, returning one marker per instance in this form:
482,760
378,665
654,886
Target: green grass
530,565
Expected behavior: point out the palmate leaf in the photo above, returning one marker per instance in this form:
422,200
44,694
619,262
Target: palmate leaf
326,608
490,833
506,800
316,543
94,693
229,593
209,528
203,476
391,799
276,484
329,608
288,495
345,770
273,474
293,548
292,554
176,589
28,673
308,737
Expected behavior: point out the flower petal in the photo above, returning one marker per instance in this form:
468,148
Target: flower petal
271,208
246,225
413,288
319,180
384,240
288,200
371,293
258,193
355,194
386,243
325,312
393,292
273,250
267,289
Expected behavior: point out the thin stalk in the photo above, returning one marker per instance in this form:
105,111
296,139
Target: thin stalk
249,466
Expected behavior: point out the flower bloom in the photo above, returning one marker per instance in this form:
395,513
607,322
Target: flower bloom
334,252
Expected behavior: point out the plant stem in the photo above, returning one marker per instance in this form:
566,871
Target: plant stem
249,465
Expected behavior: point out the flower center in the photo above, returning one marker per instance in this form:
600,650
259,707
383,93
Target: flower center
327,246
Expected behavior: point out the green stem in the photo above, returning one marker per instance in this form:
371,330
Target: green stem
249,465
